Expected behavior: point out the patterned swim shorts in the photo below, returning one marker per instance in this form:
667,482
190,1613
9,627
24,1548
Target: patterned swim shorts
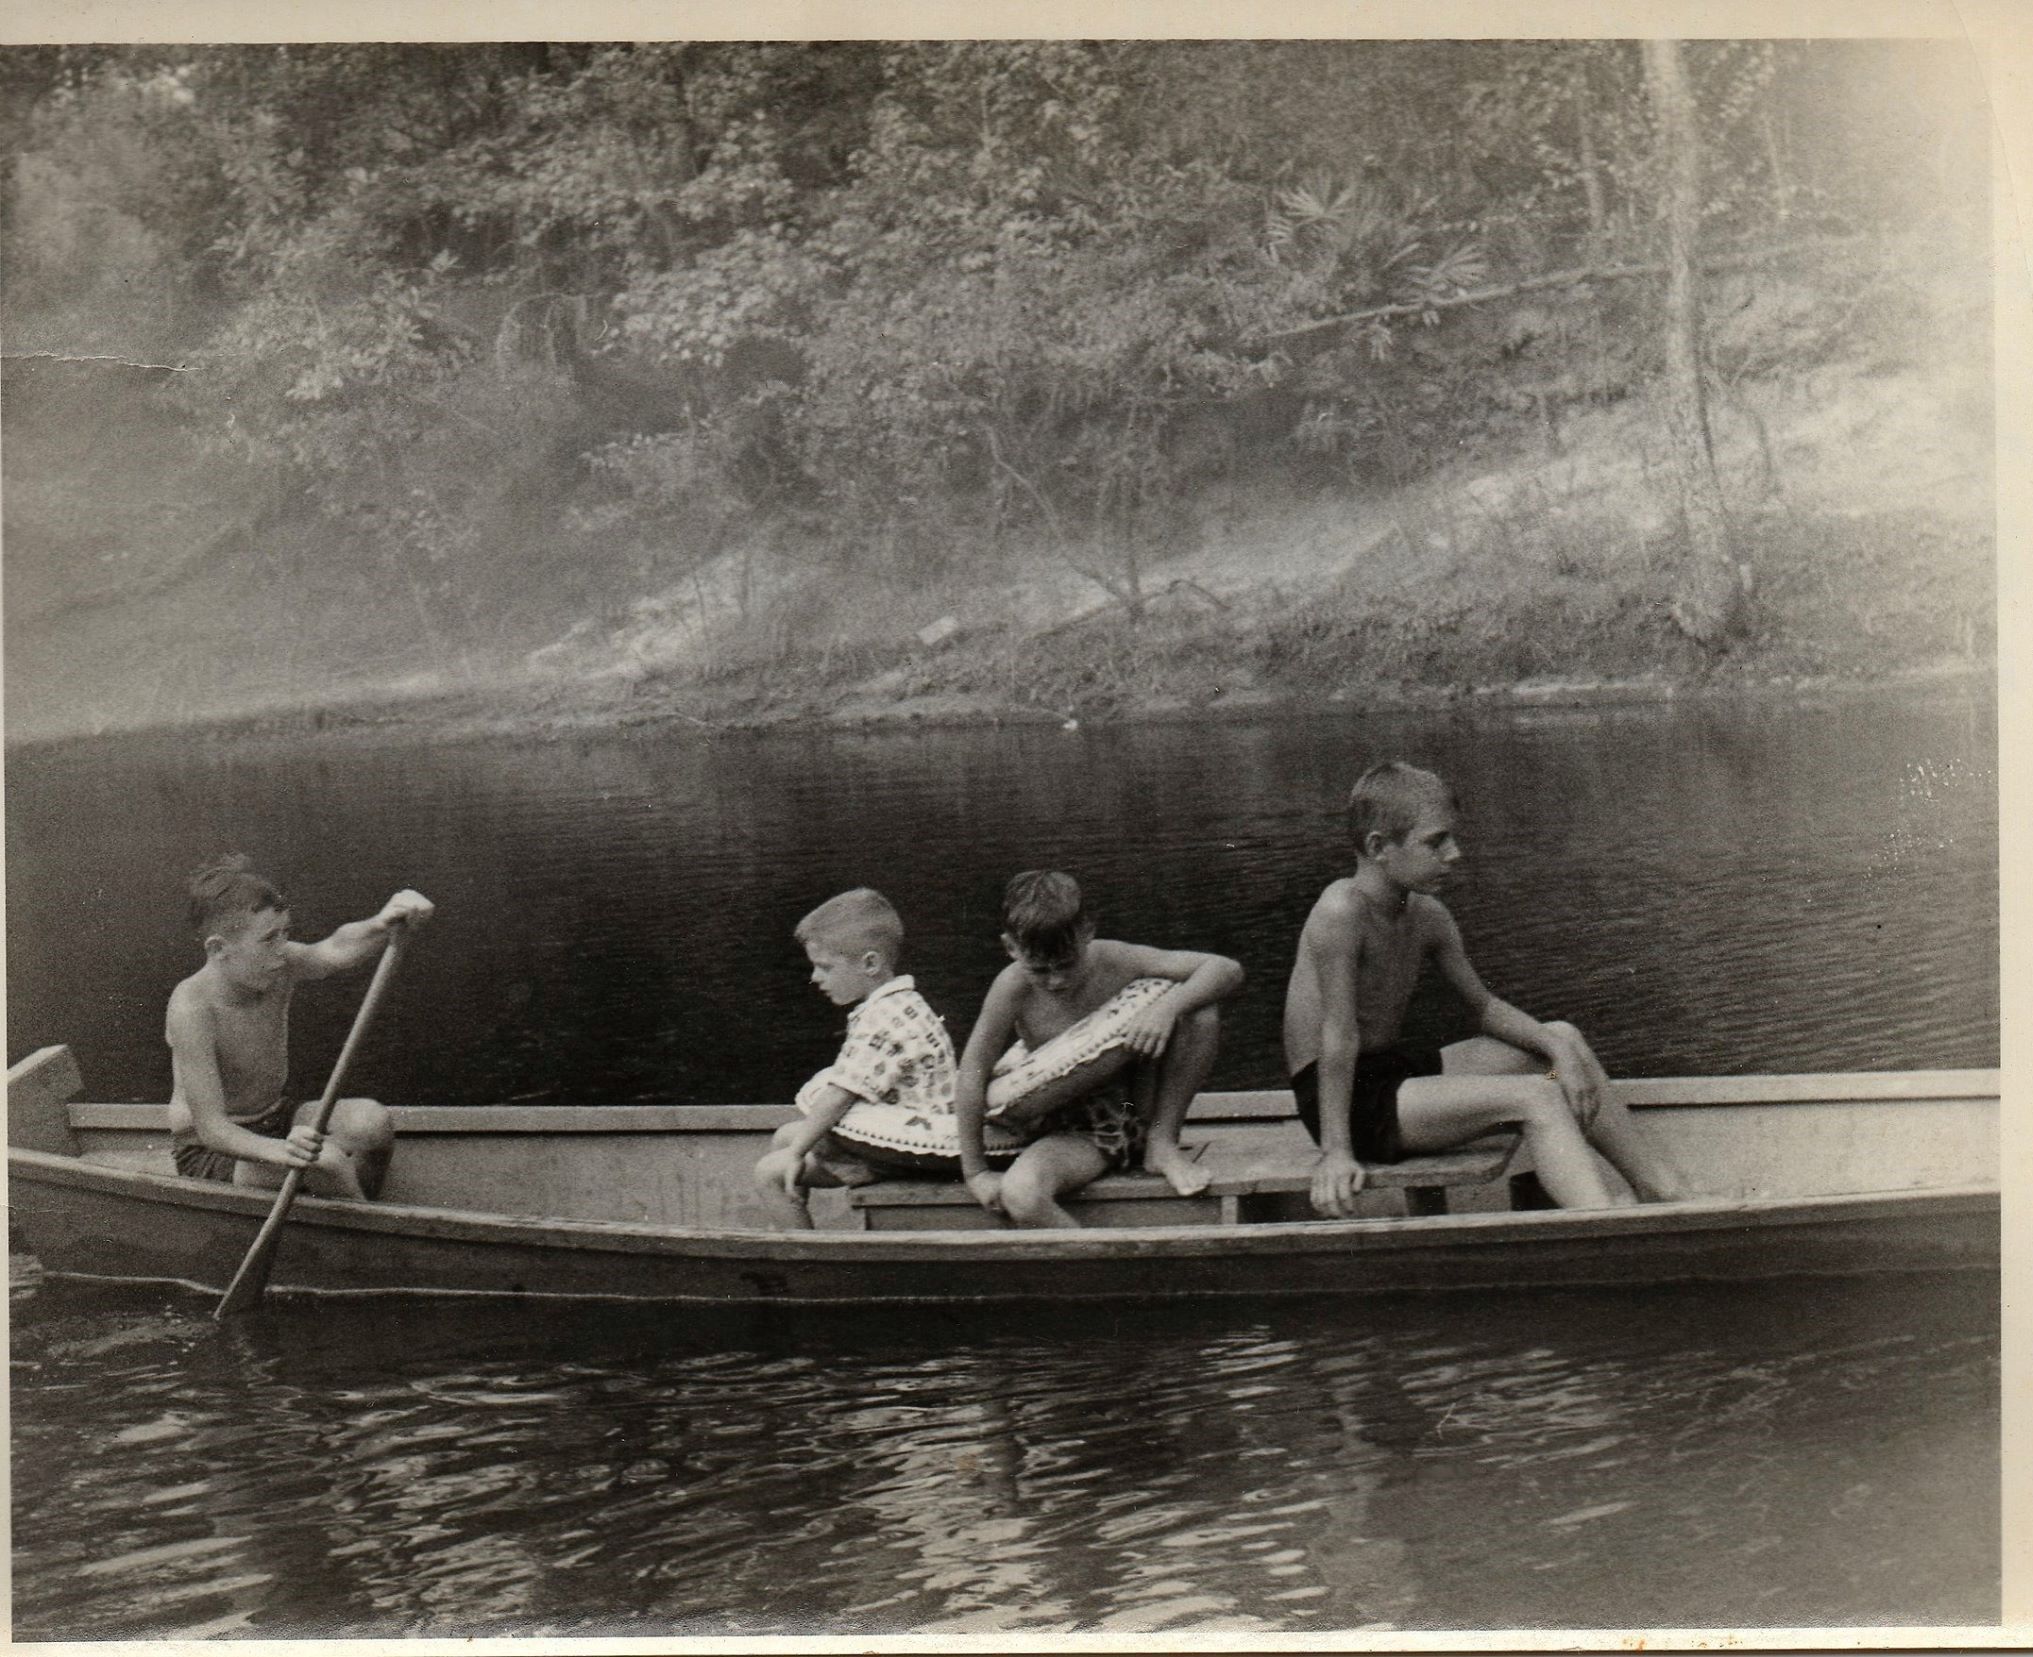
1105,1116
1108,1119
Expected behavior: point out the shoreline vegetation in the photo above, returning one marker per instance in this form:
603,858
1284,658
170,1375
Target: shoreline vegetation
1868,575
1538,578
740,387
467,717
525,711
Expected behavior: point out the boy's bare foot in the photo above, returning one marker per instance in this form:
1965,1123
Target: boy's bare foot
1185,1176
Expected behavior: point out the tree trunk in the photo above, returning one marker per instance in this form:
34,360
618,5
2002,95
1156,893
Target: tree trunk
1710,603
1775,161
1591,177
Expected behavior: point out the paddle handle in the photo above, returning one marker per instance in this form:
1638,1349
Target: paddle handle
252,1278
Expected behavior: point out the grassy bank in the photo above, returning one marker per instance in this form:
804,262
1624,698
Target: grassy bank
1846,604
1861,504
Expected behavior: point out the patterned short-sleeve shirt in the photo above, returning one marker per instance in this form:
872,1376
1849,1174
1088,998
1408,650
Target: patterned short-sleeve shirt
898,1063
897,1051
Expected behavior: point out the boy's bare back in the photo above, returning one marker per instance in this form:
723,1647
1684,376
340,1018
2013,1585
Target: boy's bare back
1350,947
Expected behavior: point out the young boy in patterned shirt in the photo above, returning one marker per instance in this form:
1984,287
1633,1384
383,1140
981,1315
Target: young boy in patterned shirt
884,1106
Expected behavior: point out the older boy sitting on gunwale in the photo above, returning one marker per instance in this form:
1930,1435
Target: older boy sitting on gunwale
1364,1096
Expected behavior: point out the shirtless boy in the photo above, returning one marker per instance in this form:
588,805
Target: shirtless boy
228,1029
1087,1014
1364,1097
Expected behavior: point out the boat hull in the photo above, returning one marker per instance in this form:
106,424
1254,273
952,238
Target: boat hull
86,1220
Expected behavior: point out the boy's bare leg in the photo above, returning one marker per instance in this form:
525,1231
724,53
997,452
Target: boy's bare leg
353,1161
1179,1073
1489,1056
786,1212
1619,1140
1438,1112
1486,1056
363,1131
332,1175
1049,1169
1628,1147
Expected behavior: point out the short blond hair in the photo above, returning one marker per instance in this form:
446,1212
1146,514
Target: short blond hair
855,922
1387,799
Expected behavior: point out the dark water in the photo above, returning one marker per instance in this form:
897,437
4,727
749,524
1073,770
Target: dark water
1778,1455
1705,891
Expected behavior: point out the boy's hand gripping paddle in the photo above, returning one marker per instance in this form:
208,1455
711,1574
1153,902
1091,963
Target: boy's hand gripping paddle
245,1291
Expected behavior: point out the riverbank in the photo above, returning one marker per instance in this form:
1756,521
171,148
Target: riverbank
508,712
1544,577
1116,672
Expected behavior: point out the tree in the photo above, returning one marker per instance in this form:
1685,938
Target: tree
1711,606
862,297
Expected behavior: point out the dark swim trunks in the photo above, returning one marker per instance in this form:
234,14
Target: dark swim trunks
1373,1101
195,1159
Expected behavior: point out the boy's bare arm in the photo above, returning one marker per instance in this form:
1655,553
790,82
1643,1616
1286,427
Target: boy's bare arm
811,1127
985,1043
1567,1054
358,942
1200,980
1334,938
194,1052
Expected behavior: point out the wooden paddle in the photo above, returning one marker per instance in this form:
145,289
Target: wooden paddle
249,1282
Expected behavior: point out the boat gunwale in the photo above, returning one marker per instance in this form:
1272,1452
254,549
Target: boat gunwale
1272,1237
1243,1104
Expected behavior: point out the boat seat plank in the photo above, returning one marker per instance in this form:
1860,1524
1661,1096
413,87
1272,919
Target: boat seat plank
1139,1199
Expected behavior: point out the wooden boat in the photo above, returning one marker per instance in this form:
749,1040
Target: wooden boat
1824,1174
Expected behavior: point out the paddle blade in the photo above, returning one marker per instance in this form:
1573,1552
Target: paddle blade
249,1283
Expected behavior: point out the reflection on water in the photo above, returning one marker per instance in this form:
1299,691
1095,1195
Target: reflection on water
1705,890
1780,1454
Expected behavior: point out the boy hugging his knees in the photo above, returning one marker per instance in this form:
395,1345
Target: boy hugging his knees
1365,1097
884,1106
1110,1043
228,1030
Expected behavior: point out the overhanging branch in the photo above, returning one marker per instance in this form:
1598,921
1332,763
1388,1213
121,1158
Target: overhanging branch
1557,279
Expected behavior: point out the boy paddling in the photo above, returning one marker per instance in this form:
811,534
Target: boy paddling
228,1032
1367,1098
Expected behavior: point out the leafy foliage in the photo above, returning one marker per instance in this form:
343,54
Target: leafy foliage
633,299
